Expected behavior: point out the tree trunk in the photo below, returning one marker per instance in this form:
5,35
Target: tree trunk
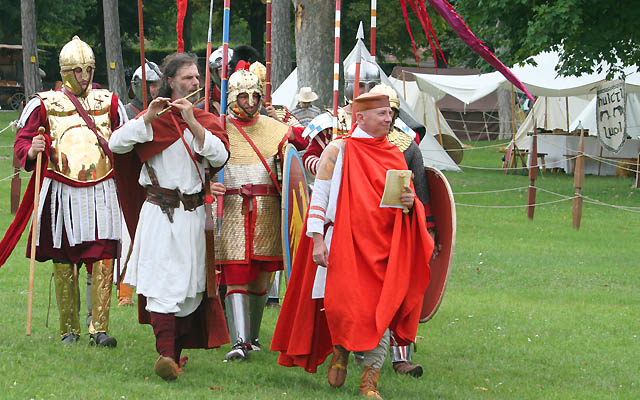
280,42
504,113
29,48
314,46
115,67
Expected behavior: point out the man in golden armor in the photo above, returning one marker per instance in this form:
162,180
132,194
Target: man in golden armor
249,246
79,219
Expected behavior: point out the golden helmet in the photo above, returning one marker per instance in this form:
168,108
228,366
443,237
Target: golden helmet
261,72
243,81
382,88
76,54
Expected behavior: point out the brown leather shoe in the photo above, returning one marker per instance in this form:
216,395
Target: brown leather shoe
166,368
338,366
369,383
407,368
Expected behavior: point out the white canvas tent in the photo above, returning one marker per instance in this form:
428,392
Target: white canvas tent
540,80
424,108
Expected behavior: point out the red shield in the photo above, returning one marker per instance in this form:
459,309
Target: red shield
444,211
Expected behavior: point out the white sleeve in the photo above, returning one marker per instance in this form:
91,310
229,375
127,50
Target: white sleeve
212,149
318,207
31,106
124,138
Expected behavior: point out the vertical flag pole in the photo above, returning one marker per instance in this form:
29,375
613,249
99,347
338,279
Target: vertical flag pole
207,84
143,62
223,97
374,12
336,69
267,94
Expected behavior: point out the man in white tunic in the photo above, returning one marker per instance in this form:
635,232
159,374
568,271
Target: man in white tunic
167,262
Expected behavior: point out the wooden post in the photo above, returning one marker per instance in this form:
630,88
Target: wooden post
578,182
638,172
533,173
566,104
404,85
600,161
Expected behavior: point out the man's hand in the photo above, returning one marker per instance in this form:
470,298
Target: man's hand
158,104
218,189
320,252
271,112
38,144
185,107
407,198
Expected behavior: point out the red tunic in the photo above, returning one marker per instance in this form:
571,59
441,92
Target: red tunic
373,251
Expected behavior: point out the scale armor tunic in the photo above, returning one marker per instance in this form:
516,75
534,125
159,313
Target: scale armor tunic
251,232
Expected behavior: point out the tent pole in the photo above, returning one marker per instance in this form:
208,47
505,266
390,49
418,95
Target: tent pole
404,84
566,103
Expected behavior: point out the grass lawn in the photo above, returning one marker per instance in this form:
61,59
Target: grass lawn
533,310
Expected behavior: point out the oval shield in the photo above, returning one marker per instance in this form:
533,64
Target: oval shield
444,211
295,201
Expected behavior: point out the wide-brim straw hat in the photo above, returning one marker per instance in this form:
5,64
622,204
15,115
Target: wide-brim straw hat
306,95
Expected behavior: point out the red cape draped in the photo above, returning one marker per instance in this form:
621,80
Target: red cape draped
378,267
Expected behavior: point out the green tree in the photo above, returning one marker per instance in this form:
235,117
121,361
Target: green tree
585,32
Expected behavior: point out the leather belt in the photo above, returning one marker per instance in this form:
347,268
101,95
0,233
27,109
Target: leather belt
249,191
170,199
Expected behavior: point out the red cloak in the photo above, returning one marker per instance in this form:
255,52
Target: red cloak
378,267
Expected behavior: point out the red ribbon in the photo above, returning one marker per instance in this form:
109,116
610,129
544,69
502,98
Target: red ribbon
182,11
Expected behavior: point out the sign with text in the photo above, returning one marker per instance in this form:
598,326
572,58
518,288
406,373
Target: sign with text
610,114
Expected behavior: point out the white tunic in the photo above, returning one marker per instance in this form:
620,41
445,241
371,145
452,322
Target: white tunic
325,197
167,263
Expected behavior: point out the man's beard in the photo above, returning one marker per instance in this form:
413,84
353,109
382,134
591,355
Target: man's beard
183,92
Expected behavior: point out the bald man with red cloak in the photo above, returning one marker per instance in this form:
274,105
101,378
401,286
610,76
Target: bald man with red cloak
348,287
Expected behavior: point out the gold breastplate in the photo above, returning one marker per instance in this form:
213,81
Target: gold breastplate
75,151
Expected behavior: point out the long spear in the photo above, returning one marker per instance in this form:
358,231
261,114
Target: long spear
356,82
143,62
207,84
267,89
336,69
223,97
374,12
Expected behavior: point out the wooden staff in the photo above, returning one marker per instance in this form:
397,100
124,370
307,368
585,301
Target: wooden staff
578,183
34,236
336,69
374,12
207,84
267,86
143,61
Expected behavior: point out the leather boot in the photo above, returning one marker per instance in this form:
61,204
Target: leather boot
338,366
166,368
401,359
237,310
102,280
369,383
67,297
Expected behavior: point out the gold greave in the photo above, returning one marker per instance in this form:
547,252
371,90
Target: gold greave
102,279
67,297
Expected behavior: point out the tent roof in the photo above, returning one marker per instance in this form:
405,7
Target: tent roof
541,80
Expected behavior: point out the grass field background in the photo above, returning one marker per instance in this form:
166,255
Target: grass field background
533,310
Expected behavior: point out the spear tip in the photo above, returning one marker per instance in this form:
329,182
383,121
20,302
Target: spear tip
360,34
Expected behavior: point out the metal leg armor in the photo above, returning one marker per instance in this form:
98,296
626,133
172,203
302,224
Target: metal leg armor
102,280
256,309
237,310
68,298
273,297
400,353
401,359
